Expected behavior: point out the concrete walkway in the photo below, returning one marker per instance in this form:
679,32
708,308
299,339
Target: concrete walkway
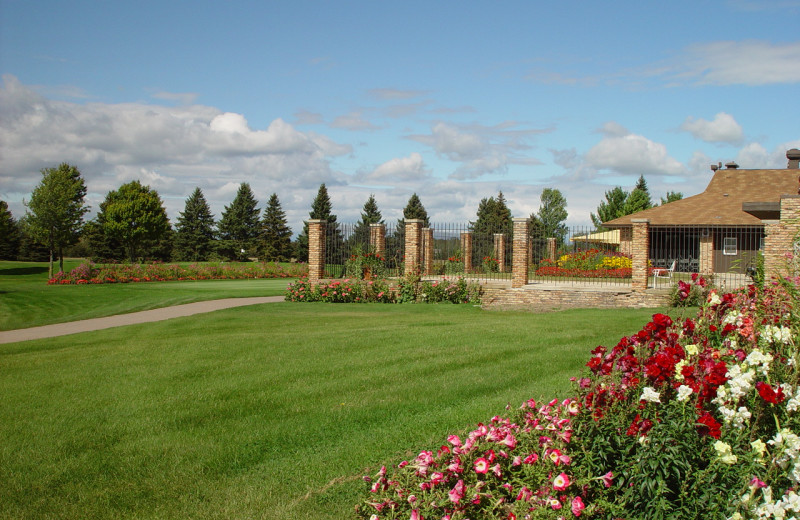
165,313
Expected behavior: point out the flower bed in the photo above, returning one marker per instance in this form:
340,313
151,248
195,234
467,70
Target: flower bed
691,418
91,273
592,263
407,290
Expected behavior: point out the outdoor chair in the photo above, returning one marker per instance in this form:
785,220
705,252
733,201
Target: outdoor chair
665,273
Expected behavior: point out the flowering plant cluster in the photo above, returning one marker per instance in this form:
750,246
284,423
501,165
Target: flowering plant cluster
592,263
365,265
490,264
91,273
454,264
379,291
688,418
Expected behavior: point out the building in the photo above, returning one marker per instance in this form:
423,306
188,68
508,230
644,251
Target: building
720,230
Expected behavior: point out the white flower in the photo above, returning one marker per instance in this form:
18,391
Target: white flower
684,392
691,350
650,395
713,298
724,453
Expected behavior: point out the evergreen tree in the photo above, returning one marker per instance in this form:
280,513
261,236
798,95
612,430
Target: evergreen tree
194,231
275,242
553,214
29,249
239,226
370,214
672,196
9,233
610,208
134,217
493,216
638,199
56,210
321,209
102,247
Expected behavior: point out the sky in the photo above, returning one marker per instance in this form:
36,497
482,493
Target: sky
454,101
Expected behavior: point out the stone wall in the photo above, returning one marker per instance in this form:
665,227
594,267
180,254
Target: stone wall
542,300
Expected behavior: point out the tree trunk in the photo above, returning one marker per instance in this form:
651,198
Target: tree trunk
51,264
61,259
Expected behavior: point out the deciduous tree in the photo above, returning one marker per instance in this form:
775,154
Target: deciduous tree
609,209
552,215
56,210
134,215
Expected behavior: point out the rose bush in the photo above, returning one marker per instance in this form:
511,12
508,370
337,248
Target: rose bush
688,418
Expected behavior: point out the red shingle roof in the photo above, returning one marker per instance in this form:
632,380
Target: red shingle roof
721,203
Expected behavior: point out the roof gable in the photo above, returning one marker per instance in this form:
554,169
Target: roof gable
721,202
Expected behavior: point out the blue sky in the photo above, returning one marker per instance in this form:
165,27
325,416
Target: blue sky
452,100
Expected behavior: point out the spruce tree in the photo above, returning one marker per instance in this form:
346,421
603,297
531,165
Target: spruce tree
370,214
194,231
639,198
493,216
275,242
321,209
672,196
239,226
9,234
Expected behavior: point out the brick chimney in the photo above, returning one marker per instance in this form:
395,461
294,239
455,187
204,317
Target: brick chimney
794,159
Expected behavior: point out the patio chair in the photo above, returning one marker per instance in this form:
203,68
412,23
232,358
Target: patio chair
665,273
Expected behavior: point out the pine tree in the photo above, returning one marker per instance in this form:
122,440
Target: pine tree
194,231
493,216
9,234
239,226
275,242
639,198
610,208
321,209
370,214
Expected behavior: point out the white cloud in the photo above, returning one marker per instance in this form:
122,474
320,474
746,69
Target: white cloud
183,98
749,62
353,121
632,154
723,129
172,148
402,169
480,150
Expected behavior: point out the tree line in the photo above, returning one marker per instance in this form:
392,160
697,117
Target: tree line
132,223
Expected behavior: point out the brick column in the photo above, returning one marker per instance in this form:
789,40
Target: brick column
706,260
377,238
466,251
427,250
640,253
316,250
413,245
500,251
551,249
780,239
625,239
520,258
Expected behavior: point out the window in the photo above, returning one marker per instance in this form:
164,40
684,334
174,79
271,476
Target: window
729,246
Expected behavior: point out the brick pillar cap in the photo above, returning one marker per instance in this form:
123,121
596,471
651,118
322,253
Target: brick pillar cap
376,224
414,220
640,220
786,196
499,234
427,228
316,220
520,219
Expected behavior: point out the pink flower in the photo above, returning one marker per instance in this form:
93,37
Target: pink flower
561,482
481,465
608,479
415,515
457,493
531,459
524,494
497,471
577,506
454,440
755,483
554,503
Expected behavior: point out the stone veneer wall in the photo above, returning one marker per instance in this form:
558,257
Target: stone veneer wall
377,238
520,253
316,250
557,299
413,244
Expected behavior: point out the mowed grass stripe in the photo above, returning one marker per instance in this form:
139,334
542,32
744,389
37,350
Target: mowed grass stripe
270,411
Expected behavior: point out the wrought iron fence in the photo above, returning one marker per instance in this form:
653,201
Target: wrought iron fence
579,256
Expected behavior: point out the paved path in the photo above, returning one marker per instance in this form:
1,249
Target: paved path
166,313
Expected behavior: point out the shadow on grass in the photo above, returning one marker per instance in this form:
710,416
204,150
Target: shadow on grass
18,271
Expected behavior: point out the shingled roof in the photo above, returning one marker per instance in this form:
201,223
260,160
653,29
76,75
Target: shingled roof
721,203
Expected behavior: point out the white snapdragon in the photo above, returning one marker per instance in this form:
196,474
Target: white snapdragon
724,453
793,404
787,449
684,392
758,359
776,334
713,298
650,395
732,318
679,368
691,350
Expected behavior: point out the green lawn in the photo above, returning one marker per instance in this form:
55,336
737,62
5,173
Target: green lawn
271,411
27,301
